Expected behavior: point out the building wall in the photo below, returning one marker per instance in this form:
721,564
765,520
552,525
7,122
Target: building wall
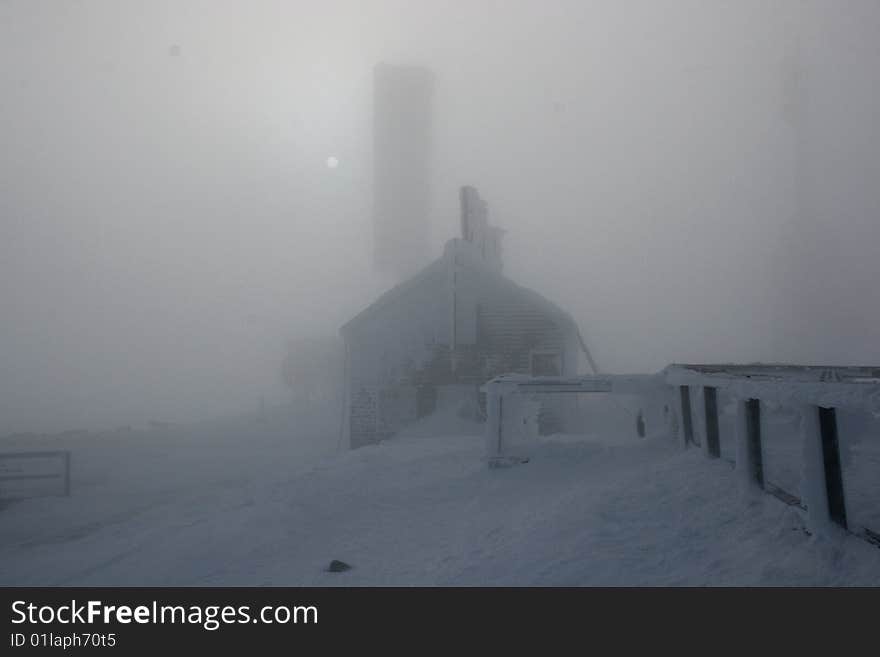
503,328
500,325
460,324
392,352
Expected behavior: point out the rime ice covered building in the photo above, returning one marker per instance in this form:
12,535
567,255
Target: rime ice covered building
451,327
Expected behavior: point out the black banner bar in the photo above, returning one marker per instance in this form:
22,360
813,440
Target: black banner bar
128,620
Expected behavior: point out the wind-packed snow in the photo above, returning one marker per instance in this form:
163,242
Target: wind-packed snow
271,502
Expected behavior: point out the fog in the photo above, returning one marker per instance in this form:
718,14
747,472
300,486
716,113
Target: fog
692,180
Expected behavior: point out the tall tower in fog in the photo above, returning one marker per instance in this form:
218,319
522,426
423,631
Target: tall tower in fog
402,98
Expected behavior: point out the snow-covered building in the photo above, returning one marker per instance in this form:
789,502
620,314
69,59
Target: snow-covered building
450,328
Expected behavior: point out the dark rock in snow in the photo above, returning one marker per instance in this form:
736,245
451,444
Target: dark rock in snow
337,566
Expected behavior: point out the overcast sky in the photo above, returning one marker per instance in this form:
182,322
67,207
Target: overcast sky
693,180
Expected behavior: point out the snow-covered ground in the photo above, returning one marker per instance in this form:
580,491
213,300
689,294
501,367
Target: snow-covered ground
273,502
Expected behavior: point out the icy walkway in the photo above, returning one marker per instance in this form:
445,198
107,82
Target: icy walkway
426,511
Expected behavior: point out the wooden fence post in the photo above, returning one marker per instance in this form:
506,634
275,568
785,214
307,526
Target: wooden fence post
494,421
749,461
713,442
686,419
832,469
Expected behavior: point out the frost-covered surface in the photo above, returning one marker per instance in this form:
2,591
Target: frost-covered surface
861,394
264,503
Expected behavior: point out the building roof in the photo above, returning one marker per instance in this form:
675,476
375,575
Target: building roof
391,295
464,255
478,249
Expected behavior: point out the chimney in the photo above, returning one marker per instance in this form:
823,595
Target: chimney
475,227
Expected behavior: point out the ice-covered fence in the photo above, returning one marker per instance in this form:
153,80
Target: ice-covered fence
34,474
512,403
808,435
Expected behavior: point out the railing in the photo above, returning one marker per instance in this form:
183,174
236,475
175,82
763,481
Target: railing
23,473
790,431
507,398
804,466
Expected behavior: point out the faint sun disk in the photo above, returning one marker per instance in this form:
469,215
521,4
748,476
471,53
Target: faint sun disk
332,162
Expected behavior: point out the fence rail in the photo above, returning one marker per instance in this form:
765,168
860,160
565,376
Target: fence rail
21,467
762,456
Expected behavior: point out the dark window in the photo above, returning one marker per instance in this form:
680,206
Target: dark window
546,364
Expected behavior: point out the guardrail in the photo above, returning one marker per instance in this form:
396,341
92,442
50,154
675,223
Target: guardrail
20,469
